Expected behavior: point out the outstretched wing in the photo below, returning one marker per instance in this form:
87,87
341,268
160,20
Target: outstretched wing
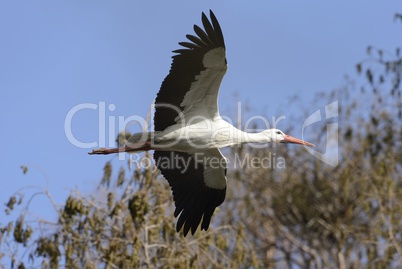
192,85
198,183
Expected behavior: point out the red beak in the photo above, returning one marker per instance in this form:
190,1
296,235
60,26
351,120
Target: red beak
294,140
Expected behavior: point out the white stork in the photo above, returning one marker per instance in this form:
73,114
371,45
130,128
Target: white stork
189,130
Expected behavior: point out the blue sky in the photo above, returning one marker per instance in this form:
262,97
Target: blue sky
55,55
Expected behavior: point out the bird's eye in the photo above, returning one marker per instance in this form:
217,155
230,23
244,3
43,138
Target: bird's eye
278,132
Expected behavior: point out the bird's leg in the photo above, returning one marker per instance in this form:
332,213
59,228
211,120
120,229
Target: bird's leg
127,148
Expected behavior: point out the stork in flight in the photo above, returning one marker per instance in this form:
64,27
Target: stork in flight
189,129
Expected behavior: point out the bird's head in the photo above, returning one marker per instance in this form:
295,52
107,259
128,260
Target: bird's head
280,137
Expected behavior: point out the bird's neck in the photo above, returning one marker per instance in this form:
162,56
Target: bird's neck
256,138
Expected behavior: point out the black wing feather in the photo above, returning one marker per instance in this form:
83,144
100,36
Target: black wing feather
203,36
197,40
217,29
187,45
209,29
